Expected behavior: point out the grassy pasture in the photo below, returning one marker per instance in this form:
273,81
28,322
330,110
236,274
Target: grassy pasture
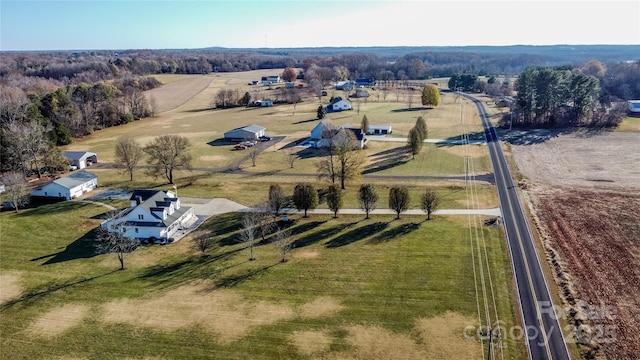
352,288
407,284
629,124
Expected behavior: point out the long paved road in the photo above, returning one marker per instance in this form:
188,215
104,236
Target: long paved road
544,334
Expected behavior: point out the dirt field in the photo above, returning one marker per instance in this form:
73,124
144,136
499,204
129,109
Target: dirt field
606,160
583,192
594,236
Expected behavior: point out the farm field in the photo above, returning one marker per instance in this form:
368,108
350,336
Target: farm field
351,288
582,190
377,288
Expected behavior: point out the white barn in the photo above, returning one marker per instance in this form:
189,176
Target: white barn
251,132
68,187
80,158
153,214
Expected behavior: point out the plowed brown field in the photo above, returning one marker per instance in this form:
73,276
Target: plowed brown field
595,239
583,192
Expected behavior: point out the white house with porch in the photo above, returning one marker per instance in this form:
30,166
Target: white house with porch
153,214
68,187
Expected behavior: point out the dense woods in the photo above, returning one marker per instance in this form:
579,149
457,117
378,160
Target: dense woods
49,98
550,96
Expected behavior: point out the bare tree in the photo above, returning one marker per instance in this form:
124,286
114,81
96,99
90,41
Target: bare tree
398,200
128,153
283,243
350,159
253,154
292,156
410,98
334,199
248,231
265,219
168,153
368,197
112,241
28,144
277,199
201,241
429,202
15,187
153,106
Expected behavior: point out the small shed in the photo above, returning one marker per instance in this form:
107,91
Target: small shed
250,132
81,159
68,187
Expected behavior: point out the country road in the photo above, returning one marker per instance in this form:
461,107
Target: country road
544,334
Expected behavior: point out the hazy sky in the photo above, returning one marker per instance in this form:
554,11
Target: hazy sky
124,24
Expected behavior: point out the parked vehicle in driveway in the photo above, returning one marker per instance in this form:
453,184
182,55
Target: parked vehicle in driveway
265,138
248,143
239,147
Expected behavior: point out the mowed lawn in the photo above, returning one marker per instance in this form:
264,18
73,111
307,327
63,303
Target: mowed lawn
352,288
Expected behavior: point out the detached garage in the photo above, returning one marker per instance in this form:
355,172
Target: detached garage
81,159
251,132
68,187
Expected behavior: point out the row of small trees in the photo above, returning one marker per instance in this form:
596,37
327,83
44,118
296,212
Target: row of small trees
260,224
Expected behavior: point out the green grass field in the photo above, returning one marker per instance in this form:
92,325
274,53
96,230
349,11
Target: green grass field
352,288
375,288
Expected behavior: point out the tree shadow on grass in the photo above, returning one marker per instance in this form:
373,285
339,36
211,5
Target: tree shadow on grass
49,207
411,109
306,121
234,280
201,267
357,234
50,288
385,164
224,224
394,232
320,235
82,248
221,142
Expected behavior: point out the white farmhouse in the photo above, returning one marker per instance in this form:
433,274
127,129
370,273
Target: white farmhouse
68,187
153,214
338,104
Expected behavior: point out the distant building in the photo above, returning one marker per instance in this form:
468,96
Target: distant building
634,107
80,159
345,85
263,103
250,132
379,129
68,187
364,82
338,104
268,80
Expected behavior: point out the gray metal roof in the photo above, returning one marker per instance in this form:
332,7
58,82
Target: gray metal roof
75,179
77,155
